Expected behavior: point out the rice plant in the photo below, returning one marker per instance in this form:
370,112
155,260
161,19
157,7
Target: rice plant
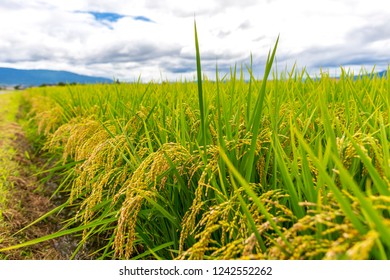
288,168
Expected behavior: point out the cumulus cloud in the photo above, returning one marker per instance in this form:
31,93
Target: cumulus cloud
370,33
364,45
124,39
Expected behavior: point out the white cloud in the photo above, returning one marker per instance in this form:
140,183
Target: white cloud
55,35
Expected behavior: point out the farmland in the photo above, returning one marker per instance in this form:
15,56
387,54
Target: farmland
289,168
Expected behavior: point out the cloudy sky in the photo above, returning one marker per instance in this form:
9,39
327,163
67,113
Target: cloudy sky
155,38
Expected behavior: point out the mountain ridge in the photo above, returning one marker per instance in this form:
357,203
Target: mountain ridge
35,77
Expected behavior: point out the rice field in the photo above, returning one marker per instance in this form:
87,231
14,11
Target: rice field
285,168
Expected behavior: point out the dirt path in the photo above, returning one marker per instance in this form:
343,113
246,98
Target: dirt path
22,199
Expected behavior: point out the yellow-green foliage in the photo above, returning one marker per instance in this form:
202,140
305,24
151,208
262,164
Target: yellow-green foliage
9,104
135,152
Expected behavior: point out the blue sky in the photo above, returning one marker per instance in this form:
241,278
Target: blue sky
107,17
104,16
154,38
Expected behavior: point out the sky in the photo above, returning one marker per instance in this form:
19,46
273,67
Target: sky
154,39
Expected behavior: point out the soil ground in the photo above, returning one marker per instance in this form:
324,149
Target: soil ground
22,198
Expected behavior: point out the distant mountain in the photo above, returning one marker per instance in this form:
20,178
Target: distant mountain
377,74
11,76
382,73
359,76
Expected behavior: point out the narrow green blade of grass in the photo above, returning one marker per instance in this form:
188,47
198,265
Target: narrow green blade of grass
287,179
248,215
153,251
59,234
48,214
253,196
255,122
164,212
200,93
219,108
326,121
380,184
341,199
386,148
366,204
